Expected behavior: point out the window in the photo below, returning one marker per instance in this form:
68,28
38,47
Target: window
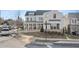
40,18
27,19
54,16
31,14
34,18
41,25
77,19
57,26
72,21
30,26
51,26
34,26
54,27
30,19
27,26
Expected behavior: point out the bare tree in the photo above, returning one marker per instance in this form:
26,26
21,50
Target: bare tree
1,21
19,22
10,21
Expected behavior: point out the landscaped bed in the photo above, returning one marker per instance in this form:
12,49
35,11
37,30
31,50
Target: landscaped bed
47,35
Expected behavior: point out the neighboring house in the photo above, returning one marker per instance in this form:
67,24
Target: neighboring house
50,20
66,23
73,23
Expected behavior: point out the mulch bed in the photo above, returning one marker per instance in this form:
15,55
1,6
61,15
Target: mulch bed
46,35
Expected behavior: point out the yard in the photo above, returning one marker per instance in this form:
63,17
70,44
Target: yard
73,36
47,35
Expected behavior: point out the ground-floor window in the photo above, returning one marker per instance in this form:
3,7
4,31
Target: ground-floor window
51,27
39,26
34,26
30,26
55,26
27,26
58,26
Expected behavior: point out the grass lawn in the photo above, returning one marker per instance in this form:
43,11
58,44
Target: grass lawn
73,37
46,35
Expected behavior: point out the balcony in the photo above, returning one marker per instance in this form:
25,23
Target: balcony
34,21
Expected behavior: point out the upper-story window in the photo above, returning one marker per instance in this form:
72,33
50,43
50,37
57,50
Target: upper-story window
30,19
77,19
27,19
40,18
73,20
54,16
34,18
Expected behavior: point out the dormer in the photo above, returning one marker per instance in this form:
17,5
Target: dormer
32,13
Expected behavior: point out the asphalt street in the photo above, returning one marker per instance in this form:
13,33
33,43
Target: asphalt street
10,42
59,44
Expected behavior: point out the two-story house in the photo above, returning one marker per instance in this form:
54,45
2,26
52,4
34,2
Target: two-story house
50,20
74,23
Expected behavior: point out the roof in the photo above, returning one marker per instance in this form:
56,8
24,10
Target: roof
41,12
76,15
37,12
27,13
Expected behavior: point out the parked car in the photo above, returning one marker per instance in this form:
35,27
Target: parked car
5,31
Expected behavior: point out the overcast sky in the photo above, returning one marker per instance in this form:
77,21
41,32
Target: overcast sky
6,14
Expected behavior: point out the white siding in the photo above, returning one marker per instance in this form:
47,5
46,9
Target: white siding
47,16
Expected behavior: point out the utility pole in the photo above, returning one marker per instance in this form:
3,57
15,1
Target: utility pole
18,17
17,23
18,14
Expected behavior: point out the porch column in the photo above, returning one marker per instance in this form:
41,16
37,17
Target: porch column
32,27
36,26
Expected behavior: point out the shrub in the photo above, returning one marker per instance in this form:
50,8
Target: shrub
0,29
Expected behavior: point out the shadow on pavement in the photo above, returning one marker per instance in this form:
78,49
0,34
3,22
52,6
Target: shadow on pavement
34,45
